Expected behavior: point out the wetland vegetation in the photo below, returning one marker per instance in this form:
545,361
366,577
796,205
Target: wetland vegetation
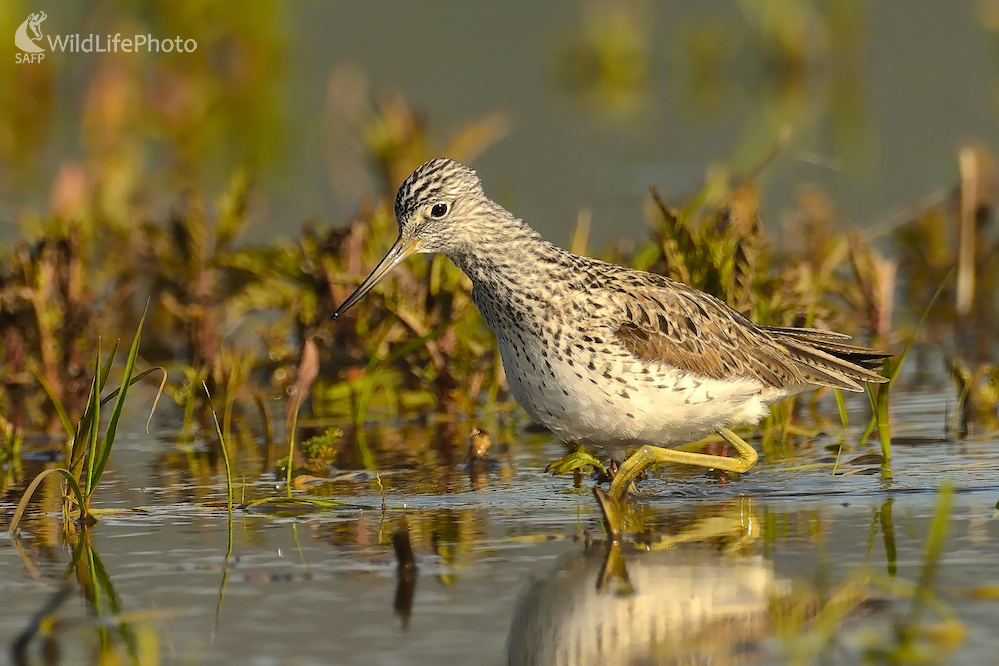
383,451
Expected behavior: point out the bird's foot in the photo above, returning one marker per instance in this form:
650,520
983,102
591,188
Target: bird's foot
719,449
576,460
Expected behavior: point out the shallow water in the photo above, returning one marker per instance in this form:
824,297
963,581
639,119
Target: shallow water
515,562
512,565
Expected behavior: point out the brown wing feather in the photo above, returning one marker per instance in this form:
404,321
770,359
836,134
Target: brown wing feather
674,324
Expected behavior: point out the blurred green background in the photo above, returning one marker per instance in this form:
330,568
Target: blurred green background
598,101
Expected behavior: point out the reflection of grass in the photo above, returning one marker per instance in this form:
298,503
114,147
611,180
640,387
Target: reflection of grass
811,625
915,640
120,636
98,589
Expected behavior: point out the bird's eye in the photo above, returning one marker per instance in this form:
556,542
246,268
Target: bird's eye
439,210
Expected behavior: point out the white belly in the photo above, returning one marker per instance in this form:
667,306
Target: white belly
662,407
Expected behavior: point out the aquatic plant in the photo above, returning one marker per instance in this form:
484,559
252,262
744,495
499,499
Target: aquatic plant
977,396
319,450
717,243
89,452
11,441
253,319
48,312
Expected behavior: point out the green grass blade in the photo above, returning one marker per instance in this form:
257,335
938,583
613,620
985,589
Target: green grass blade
30,490
56,402
844,422
225,459
935,542
106,370
894,372
126,381
292,430
95,424
135,380
841,406
884,424
76,456
922,320
229,501
874,414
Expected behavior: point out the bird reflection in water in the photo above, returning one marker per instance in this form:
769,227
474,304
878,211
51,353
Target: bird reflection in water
675,600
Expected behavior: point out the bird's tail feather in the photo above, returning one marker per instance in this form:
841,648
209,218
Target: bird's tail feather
827,363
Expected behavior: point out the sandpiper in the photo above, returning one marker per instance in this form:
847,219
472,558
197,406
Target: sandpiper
609,356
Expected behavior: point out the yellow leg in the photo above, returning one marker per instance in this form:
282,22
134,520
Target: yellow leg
650,455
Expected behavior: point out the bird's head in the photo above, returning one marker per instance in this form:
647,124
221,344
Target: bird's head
436,208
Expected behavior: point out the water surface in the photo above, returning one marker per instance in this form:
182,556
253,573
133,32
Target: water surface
516,559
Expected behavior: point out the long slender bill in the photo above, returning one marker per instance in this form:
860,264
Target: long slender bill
399,252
